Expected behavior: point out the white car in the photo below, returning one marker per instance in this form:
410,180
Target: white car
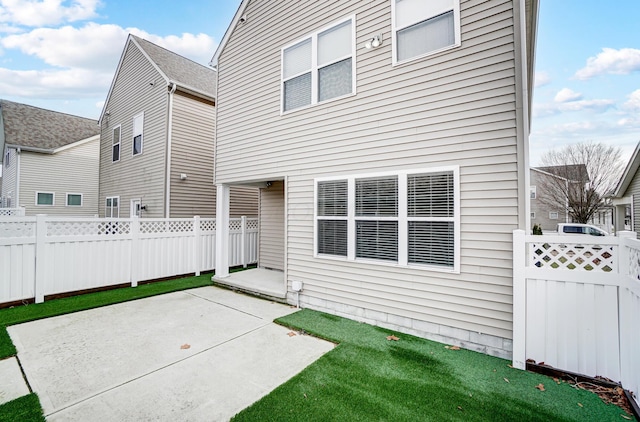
577,228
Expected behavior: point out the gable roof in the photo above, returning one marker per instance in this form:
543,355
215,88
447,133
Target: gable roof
175,69
571,172
227,33
629,173
37,129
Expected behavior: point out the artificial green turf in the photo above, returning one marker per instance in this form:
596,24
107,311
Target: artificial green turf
369,378
24,409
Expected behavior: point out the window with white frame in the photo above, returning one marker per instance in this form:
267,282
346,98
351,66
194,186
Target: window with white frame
407,218
532,192
46,199
533,215
7,158
138,124
112,207
553,215
115,144
424,27
319,67
74,199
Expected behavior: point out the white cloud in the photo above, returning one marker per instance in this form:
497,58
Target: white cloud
34,13
52,83
541,79
634,101
550,109
565,95
620,62
593,105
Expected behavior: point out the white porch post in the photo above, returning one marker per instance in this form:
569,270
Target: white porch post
222,231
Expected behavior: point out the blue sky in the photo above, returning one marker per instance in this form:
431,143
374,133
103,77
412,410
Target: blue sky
61,55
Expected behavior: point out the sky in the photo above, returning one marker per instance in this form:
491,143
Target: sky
62,55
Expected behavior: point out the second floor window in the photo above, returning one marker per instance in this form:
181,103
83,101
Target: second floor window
320,67
115,144
138,124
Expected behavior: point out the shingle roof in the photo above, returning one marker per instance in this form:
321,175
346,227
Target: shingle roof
34,127
572,172
180,69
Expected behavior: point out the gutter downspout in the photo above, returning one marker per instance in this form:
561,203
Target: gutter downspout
168,169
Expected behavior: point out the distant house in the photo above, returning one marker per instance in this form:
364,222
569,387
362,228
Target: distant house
49,161
626,198
389,139
157,132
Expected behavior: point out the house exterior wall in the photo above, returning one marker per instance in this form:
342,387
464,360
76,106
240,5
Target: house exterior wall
51,173
10,177
455,108
542,211
271,223
633,191
140,176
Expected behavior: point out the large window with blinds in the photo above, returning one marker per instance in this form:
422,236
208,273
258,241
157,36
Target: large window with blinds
319,67
408,218
423,27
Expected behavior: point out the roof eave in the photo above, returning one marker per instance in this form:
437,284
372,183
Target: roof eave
629,172
227,34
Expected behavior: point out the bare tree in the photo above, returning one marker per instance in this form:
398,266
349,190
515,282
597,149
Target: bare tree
579,178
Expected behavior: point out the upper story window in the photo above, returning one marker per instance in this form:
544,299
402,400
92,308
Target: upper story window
532,192
138,124
115,144
423,27
404,218
319,67
7,158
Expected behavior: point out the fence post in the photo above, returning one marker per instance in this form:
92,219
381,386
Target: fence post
40,278
243,241
135,253
519,299
198,245
625,313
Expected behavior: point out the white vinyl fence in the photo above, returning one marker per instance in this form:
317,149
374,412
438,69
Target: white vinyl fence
44,255
11,212
576,304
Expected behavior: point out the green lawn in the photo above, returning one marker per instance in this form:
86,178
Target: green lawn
370,378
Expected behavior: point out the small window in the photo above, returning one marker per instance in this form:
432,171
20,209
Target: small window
112,207
138,124
423,27
553,215
533,215
319,67
45,199
115,144
7,158
74,199
532,192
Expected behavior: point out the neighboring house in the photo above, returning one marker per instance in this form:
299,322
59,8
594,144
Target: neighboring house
626,198
390,141
157,131
49,161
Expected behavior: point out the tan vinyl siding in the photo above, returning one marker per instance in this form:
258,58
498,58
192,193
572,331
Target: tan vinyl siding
73,170
140,176
10,177
243,201
192,154
453,108
271,249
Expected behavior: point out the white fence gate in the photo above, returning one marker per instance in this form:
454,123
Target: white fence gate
576,304
43,255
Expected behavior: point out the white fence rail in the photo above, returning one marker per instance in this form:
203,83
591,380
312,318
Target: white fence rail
577,304
11,212
43,255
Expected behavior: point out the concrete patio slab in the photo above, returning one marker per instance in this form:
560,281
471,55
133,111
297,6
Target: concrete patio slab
13,384
201,354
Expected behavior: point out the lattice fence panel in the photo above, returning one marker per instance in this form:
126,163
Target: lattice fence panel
18,229
634,263
572,256
87,228
208,225
252,224
181,226
235,225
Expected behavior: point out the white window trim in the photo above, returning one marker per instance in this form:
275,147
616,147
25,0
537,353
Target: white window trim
133,134
533,215
314,66
402,219
105,205
66,202
533,192
394,30
556,217
117,143
53,200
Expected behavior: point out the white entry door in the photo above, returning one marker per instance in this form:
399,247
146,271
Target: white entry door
136,205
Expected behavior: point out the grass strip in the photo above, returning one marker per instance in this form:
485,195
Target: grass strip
24,409
368,377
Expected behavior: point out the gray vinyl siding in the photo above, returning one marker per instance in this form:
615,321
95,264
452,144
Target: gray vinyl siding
10,177
457,107
192,154
73,170
141,176
271,249
542,210
634,191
